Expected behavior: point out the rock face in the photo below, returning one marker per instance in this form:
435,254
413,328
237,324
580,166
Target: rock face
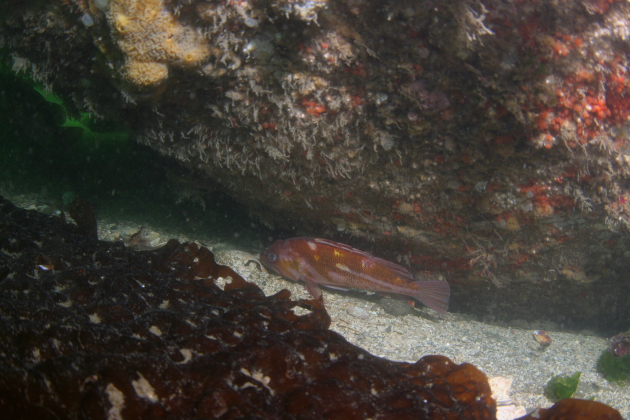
481,139
92,330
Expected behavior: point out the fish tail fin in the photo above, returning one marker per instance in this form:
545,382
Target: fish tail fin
434,294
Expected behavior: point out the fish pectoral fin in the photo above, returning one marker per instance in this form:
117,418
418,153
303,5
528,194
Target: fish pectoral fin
313,288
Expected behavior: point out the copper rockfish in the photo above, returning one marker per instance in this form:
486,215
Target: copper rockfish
338,266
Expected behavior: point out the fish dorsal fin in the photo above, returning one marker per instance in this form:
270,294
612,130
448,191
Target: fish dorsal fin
398,270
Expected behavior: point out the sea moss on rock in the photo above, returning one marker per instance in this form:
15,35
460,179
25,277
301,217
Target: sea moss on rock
613,368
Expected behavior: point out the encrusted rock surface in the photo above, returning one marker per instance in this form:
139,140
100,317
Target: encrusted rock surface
482,139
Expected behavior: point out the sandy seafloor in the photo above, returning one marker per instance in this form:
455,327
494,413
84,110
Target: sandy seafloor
517,366
506,354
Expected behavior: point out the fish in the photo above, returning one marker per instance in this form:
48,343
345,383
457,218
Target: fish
322,262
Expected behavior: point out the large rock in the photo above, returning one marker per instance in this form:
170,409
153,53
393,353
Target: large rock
482,139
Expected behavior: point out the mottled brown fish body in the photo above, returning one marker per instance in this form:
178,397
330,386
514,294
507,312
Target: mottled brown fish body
322,262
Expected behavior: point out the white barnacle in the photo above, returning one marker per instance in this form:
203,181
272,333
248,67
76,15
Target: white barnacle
155,330
20,64
37,355
144,389
260,47
221,282
188,355
117,400
259,377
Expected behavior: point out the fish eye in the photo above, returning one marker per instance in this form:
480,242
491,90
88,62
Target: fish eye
272,257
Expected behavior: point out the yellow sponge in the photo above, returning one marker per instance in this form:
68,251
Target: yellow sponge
152,39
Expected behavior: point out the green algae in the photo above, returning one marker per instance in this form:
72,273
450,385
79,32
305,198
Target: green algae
86,122
561,387
614,369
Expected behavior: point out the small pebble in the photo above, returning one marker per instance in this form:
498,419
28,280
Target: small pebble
395,307
542,338
357,312
47,210
87,20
